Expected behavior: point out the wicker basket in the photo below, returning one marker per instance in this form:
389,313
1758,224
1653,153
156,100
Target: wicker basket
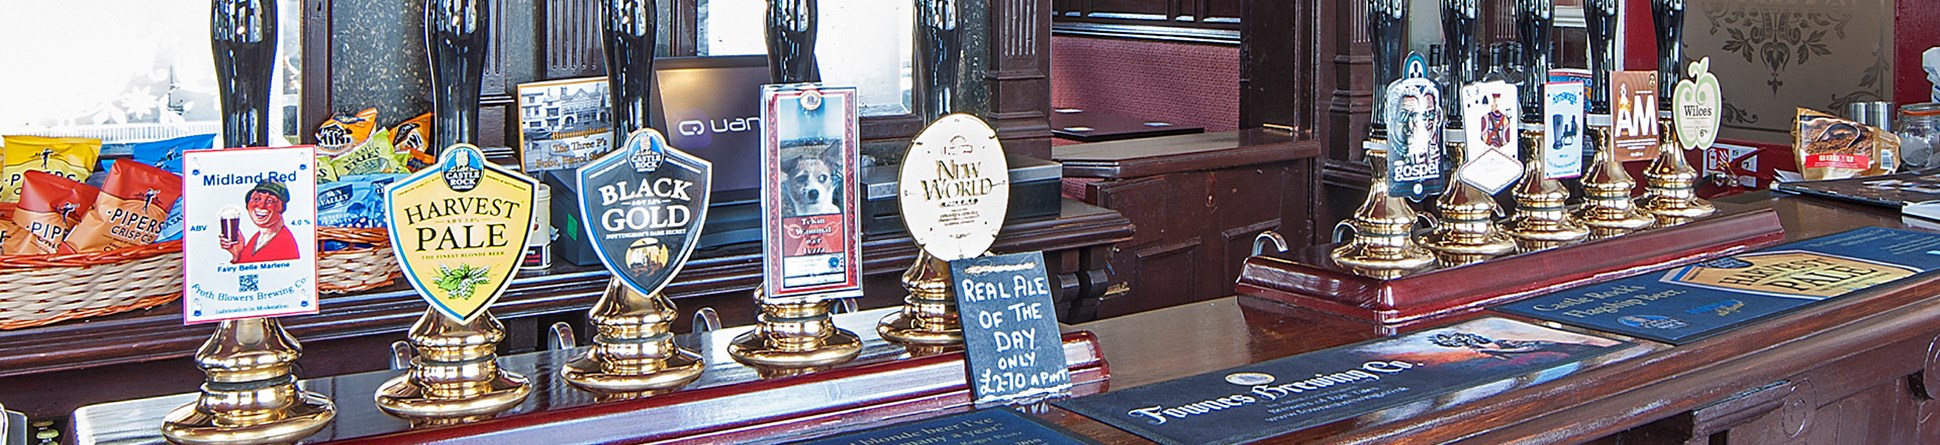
352,270
37,290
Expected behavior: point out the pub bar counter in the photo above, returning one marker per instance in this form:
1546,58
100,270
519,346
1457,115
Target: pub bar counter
1302,177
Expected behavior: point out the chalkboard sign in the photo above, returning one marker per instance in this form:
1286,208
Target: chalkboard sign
1010,328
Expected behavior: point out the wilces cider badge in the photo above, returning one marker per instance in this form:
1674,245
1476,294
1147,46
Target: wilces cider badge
1414,116
955,187
1696,104
459,228
644,205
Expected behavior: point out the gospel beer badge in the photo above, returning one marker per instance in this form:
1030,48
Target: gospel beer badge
250,241
644,205
1695,103
1414,116
1633,115
1563,119
811,161
1492,161
459,228
955,187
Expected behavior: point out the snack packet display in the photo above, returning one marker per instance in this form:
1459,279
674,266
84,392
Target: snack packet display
50,206
129,211
1828,147
71,158
374,156
353,202
342,133
411,139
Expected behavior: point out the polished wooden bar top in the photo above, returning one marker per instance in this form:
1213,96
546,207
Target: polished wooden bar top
1099,126
1168,154
1898,321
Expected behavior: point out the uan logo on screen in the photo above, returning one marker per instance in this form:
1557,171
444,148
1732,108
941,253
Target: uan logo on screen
700,132
719,126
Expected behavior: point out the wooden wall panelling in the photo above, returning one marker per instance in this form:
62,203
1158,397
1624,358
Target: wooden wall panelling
1019,76
316,59
572,46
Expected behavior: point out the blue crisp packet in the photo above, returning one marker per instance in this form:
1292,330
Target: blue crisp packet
166,154
172,226
355,201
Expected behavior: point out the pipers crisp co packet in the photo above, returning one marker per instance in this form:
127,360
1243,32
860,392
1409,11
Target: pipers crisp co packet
130,210
71,158
341,133
50,206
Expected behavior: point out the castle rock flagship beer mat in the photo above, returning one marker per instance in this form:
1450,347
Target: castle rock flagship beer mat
1412,372
250,245
459,229
982,427
1689,303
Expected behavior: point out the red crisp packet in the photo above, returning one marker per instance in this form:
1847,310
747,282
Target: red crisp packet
50,206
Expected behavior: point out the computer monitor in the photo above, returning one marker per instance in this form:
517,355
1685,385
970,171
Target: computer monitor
714,106
711,107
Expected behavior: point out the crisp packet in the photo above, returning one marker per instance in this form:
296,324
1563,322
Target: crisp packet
8,230
130,210
167,153
411,139
371,157
1828,147
50,206
71,158
353,202
171,225
342,133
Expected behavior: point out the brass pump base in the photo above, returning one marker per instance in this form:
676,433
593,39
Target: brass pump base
1466,231
634,348
1542,218
794,335
250,395
1671,184
1607,209
929,315
1383,245
455,373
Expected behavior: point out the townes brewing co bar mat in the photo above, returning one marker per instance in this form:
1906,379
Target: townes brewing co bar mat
1704,299
1275,397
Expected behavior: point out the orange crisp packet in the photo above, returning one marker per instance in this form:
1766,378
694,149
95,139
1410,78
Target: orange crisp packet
130,210
50,205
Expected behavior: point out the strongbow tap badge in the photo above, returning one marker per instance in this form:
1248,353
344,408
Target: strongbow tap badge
955,187
250,246
645,204
459,228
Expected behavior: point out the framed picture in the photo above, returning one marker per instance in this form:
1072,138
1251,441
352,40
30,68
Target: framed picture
810,158
564,124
